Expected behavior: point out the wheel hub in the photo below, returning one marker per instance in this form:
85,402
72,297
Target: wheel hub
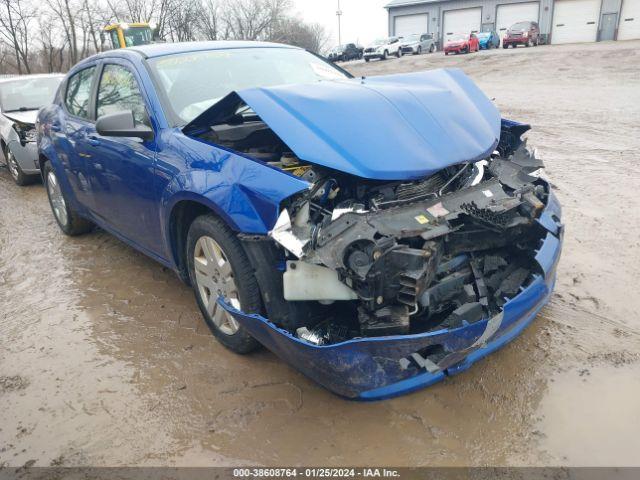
12,164
214,279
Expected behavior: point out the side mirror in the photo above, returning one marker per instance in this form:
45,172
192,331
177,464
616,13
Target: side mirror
122,124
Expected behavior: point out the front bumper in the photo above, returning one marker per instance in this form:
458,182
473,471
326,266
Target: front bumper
380,367
457,49
410,49
372,55
26,156
515,41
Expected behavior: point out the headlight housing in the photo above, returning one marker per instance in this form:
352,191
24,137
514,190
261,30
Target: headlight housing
26,132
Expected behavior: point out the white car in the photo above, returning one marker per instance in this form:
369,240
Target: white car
383,48
20,99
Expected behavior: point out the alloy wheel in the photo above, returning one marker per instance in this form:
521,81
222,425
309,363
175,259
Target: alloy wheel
12,165
58,204
214,278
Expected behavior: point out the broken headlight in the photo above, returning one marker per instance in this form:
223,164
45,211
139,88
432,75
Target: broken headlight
26,132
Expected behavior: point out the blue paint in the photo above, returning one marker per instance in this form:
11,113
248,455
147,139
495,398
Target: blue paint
370,369
393,127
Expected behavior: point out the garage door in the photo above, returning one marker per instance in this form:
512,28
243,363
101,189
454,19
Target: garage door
462,21
408,24
629,20
575,21
514,13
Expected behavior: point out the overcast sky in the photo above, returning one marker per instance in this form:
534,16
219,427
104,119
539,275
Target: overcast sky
362,20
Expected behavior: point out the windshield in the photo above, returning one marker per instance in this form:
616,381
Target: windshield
520,26
28,93
413,38
194,81
134,36
381,41
484,35
456,38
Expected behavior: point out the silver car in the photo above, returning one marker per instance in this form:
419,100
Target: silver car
20,99
418,43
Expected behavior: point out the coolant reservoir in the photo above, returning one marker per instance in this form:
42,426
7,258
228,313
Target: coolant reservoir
305,281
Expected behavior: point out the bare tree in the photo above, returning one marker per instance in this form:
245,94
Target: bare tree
254,19
15,18
210,20
293,31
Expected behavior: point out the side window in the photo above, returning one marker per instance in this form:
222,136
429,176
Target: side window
79,92
115,41
118,91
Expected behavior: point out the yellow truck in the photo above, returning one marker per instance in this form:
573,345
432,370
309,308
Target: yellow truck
124,35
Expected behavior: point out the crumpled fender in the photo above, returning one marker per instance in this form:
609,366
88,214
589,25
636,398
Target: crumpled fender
245,192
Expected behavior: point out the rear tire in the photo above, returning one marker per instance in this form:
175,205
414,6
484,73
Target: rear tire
222,269
366,59
67,218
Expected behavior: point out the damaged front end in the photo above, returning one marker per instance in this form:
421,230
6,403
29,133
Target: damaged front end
376,287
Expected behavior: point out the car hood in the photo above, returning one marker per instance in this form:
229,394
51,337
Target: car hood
28,117
394,127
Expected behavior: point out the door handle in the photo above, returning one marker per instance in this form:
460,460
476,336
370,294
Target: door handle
93,141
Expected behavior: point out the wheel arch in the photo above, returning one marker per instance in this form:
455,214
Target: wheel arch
182,213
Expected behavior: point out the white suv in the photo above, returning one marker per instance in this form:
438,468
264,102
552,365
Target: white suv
383,48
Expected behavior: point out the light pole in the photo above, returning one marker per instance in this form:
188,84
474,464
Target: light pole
339,14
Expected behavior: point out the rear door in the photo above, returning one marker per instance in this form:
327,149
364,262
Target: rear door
69,134
121,170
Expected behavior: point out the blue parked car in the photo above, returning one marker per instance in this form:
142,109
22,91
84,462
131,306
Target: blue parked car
488,40
378,234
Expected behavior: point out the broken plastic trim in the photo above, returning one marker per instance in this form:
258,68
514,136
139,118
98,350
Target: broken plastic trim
376,367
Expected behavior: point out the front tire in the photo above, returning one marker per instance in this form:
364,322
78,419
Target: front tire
67,218
21,178
218,266
432,48
399,53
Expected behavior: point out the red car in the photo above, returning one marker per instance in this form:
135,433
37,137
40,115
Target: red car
461,43
522,33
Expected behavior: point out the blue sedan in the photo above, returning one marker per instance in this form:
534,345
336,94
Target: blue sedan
379,234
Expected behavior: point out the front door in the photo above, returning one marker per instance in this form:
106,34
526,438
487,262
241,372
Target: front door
121,170
608,26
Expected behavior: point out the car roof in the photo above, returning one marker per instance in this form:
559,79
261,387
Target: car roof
162,49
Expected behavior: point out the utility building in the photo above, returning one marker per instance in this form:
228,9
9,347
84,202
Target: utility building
560,21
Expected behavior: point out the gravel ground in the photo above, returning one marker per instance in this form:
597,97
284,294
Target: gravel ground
104,359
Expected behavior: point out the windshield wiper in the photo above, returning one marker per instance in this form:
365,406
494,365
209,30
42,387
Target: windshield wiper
21,109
